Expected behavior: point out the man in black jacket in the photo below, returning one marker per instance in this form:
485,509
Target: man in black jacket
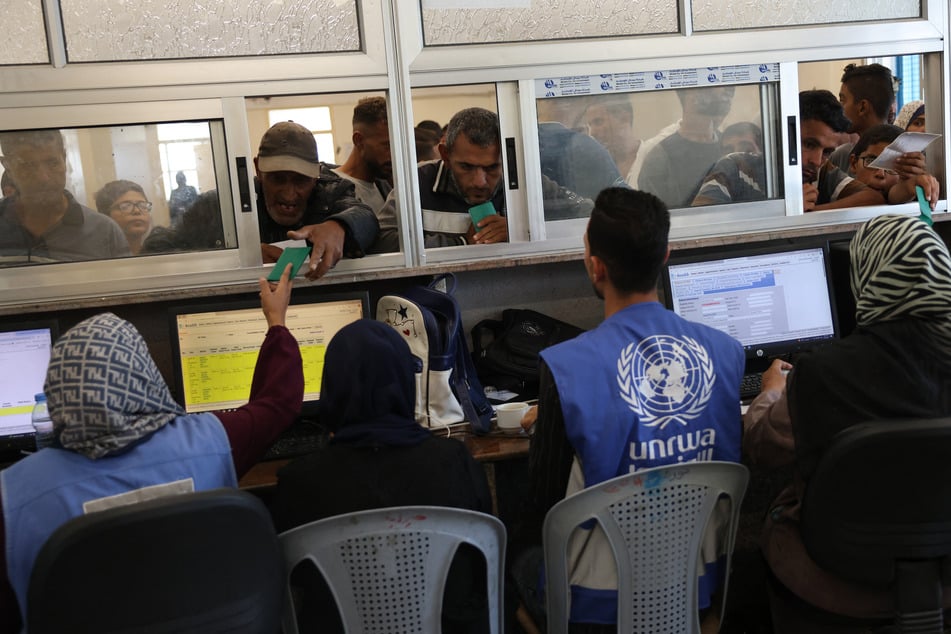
302,199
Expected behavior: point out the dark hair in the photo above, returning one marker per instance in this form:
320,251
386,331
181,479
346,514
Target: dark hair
426,141
432,126
742,128
10,142
110,192
480,126
822,105
883,133
872,82
370,111
628,231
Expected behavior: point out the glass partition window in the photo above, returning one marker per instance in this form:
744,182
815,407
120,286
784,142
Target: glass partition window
24,40
110,192
692,137
354,176
471,22
107,30
461,170
716,15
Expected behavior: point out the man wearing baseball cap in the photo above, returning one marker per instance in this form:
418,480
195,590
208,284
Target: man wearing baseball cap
302,199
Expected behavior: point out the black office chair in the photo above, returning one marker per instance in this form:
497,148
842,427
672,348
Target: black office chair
877,512
197,562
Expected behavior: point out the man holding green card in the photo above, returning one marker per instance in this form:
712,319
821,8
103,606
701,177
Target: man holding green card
468,176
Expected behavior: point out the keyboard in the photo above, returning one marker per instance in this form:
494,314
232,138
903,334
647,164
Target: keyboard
297,440
750,385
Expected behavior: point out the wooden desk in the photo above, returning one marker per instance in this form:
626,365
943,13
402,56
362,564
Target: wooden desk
489,448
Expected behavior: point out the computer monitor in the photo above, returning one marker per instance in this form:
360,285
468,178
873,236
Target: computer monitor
24,357
775,300
215,347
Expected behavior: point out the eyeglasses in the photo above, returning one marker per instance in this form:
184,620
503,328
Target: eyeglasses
867,159
127,206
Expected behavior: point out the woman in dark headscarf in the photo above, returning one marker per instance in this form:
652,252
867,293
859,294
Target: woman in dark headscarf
896,364
121,437
378,457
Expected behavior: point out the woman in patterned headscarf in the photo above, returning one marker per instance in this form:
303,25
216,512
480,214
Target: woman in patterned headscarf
122,438
896,364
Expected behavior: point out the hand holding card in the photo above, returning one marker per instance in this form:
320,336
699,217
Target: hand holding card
479,212
291,255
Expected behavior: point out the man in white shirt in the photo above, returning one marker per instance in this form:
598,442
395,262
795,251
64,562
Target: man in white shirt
369,165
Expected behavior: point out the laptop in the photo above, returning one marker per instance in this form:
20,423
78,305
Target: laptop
24,357
776,299
215,348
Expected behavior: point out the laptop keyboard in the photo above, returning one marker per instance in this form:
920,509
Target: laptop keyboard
750,385
297,440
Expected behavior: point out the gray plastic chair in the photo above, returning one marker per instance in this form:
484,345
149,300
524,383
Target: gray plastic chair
387,568
655,521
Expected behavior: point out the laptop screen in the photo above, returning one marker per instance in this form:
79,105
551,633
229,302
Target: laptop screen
24,357
215,348
772,300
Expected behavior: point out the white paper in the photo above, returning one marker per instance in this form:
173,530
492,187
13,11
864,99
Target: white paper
907,142
290,243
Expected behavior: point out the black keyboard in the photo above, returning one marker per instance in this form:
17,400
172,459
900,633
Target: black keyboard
297,440
750,385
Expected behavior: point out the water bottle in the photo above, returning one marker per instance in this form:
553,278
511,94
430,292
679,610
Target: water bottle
42,423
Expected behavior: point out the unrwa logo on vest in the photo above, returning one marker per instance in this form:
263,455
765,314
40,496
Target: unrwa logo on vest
664,379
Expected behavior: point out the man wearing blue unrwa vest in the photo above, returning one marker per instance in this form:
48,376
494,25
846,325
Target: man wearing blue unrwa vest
645,388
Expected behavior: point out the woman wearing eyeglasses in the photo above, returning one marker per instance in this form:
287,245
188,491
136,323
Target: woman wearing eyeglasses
125,202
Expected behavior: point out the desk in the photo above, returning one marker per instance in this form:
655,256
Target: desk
489,448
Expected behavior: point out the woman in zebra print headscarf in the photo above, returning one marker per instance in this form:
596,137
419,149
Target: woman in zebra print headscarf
895,365
901,270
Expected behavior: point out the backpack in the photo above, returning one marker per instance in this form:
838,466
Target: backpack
506,351
447,388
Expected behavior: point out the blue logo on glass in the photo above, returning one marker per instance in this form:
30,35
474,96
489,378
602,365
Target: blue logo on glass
763,78
712,78
549,83
658,75
605,85
658,85
763,68
550,93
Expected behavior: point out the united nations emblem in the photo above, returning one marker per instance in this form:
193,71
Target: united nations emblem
664,379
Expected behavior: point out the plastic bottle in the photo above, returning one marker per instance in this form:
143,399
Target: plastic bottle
42,423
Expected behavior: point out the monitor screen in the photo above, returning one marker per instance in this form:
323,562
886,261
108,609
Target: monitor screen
24,357
772,300
216,347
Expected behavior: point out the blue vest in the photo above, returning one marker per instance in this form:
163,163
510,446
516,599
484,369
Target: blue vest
644,389
45,490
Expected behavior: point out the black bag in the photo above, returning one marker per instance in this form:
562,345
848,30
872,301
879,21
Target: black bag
506,352
447,387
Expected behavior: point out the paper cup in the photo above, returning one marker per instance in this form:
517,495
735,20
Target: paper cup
509,415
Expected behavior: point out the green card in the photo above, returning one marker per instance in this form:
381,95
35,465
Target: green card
479,212
924,206
291,255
